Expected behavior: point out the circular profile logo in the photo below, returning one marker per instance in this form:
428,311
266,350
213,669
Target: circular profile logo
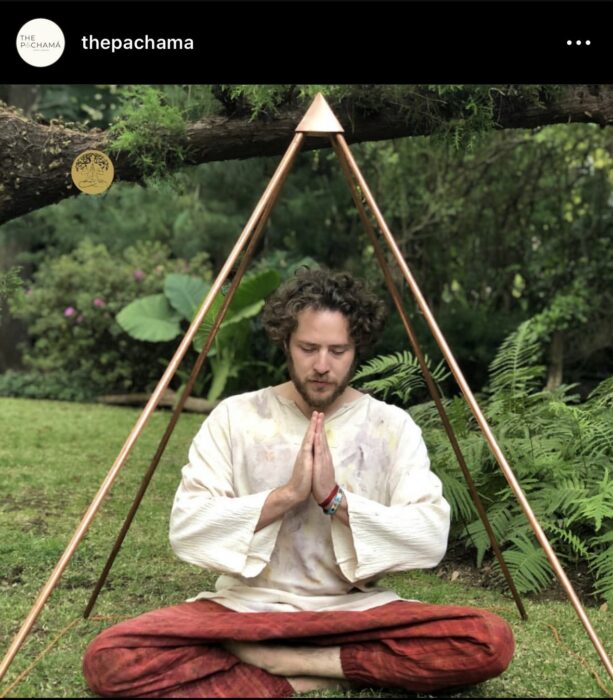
92,172
40,42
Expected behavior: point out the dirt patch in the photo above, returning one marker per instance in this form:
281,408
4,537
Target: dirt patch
12,578
459,565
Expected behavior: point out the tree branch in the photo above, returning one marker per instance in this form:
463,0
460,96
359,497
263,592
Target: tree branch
35,158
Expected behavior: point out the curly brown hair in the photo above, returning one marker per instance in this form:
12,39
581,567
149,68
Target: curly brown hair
324,289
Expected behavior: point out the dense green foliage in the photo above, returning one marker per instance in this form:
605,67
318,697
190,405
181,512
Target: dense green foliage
10,282
560,450
157,318
70,310
496,226
61,384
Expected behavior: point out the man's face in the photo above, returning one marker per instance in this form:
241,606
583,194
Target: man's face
321,357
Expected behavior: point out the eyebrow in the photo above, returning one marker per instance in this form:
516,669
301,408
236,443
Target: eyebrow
335,346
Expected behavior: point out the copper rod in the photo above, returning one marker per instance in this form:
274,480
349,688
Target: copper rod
83,526
474,407
183,398
434,393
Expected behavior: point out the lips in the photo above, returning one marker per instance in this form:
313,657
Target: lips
319,384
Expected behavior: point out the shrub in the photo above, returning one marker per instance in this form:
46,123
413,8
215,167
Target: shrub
70,312
60,386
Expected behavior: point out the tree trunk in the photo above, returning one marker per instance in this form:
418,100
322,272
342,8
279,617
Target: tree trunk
556,361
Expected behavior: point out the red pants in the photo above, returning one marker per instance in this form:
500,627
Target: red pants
172,652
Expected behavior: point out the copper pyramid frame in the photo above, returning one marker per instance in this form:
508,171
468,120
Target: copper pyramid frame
318,121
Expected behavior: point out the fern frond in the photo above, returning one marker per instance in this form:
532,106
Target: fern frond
398,373
527,564
457,493
563,498
601,565
595,433
426,416
383,364
499,517
565,535
514,369
602,395
597,507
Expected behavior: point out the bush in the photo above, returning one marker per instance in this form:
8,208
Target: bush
70,313
60,385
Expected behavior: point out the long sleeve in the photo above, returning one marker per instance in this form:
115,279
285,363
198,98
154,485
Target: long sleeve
408,530
210,524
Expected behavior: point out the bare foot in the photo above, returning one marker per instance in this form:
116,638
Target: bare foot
290,661
304,684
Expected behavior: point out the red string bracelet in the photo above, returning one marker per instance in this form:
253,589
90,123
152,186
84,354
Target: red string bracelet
327,501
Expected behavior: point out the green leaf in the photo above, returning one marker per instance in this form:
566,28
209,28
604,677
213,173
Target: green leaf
255,287
221,371
246,312
150,318
185,293
246,303
207,324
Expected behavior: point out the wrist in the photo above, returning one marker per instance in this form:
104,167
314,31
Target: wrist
290,496
331,507
325,502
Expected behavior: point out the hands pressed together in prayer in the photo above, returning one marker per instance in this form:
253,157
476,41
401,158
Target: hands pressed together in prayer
313,475
313,470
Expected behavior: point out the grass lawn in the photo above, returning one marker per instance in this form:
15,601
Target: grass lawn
53,458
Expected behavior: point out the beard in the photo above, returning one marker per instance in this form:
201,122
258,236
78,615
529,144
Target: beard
319,403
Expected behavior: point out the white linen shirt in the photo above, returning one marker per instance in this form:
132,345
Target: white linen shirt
307,560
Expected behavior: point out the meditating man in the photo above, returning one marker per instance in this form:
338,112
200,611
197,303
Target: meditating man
303,495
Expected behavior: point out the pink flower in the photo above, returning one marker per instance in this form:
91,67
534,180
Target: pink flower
138,275
79,318
99,303
69,311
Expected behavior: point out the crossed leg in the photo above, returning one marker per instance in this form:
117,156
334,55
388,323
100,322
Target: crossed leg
202,649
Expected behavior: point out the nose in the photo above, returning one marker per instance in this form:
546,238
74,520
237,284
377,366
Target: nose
322,365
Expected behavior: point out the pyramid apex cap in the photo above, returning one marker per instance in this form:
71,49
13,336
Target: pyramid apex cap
319,119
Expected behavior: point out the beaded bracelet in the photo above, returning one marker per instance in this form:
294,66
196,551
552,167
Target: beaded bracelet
324,504
336,501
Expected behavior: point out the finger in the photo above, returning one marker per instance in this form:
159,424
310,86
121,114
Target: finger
318,445
320,422
307,440
324,437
